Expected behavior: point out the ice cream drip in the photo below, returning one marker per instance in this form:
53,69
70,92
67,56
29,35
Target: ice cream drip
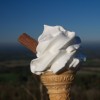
57,49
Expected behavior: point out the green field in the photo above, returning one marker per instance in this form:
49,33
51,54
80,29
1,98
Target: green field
20,84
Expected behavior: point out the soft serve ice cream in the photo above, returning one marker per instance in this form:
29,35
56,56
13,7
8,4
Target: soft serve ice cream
57,49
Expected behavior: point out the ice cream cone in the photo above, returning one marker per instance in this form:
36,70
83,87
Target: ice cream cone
58,86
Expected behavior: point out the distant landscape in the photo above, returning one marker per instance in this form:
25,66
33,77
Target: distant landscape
18,83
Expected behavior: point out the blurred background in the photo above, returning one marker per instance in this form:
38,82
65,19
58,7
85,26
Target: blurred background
18,16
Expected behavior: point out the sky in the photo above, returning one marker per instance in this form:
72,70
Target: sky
18,16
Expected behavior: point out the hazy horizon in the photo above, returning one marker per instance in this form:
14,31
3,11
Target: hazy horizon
90,49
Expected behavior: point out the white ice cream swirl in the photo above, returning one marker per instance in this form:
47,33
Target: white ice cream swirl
57,49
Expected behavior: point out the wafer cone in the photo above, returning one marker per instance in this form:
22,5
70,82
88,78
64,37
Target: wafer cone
58,86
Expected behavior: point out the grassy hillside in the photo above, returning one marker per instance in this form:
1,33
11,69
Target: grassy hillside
18,83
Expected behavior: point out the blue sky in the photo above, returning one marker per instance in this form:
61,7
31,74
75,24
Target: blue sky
18,16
